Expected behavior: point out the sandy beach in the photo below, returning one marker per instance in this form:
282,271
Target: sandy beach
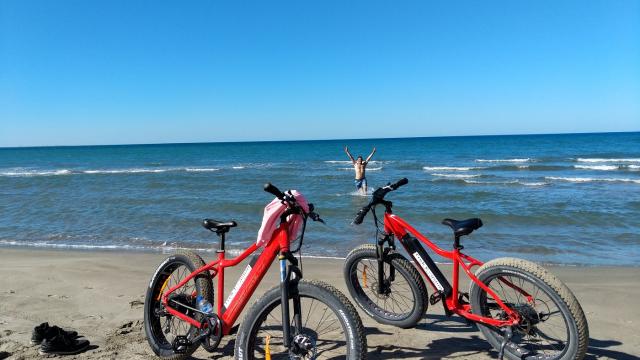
100,294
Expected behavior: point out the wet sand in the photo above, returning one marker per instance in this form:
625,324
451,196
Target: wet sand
100,294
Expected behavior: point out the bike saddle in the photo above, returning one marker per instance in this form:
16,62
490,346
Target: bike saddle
463,227
218,225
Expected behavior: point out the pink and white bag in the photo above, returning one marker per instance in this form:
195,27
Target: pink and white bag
271,218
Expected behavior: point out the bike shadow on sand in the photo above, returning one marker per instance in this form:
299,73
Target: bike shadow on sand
452,347
466,346
598,350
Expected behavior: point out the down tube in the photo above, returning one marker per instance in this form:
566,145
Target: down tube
247,284
426,264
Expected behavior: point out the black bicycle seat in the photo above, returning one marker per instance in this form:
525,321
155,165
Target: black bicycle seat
218,225
463,227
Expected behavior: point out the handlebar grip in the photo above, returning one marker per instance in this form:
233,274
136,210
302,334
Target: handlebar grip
270,188
401,182
360,216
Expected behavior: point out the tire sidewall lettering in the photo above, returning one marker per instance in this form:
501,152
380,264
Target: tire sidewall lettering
161,267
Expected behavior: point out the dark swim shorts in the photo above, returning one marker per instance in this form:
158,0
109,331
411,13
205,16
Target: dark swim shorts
360,183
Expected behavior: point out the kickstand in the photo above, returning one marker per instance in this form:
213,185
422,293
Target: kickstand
508,334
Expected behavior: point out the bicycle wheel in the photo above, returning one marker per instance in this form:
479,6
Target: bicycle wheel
162,328
404,300
331,327
553,325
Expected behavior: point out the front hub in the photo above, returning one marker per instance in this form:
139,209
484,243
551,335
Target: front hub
304,347
381,293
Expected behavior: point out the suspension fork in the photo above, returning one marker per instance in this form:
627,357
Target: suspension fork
381,255
289,290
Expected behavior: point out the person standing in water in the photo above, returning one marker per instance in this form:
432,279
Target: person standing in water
360,166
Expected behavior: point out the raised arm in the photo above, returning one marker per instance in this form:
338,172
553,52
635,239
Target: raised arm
346,149
371,155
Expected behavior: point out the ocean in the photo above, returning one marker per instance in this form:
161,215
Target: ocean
569,199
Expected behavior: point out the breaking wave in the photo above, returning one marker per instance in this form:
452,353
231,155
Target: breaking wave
597,167
504,160
448,168
599,160
586,179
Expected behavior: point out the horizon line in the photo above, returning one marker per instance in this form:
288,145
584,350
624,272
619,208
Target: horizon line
310,140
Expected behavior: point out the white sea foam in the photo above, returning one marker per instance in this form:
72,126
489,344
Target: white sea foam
349,161
633,167
202,169
45,244
368,169
168,249
447,168
238,167
596,167
585,179
491,182
504,160
126,171
338,161
599,160
541,183
457,176
28,173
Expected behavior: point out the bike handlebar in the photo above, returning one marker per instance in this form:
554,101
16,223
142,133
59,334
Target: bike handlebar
292,204
401,182
378,198
361,214
272,189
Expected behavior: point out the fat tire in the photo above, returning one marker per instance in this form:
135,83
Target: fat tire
193,262
566,302
319,290
404,268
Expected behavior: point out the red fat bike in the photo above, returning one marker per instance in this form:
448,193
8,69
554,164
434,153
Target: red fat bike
296,320
523,310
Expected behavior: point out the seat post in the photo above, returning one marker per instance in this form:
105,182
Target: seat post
221,233
456,243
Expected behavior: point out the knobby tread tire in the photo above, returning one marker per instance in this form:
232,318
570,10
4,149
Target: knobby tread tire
406,269
546,277
304,287
193,261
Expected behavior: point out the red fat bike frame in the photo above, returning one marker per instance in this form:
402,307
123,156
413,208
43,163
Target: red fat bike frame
393,224
229,311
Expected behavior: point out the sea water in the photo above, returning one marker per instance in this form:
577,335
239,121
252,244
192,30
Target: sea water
566,199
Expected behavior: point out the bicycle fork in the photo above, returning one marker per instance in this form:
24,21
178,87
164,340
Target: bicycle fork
289,290
381,256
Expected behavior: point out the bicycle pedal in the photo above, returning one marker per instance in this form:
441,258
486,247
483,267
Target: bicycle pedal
435,297
181,344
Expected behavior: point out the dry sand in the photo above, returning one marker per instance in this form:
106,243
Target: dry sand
100,294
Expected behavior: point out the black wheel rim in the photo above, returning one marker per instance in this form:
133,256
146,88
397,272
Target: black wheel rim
164,327
544,332
397,301
321,325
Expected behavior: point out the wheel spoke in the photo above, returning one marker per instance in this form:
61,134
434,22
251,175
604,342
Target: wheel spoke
322,325
541,336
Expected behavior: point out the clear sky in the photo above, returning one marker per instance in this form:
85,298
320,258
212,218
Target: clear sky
113,72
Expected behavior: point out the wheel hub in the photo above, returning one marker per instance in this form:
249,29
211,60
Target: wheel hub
529,317
384,294
304,347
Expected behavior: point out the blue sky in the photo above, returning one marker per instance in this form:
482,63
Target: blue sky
113,72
